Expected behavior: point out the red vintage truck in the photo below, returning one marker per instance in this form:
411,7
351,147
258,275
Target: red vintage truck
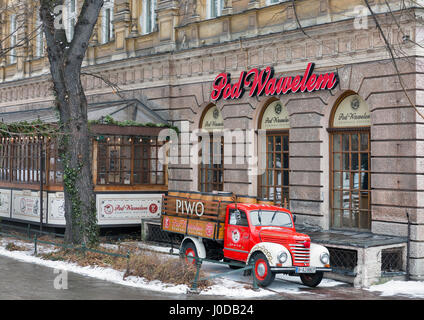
218,227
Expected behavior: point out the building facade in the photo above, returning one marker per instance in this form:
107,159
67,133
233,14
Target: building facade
343,157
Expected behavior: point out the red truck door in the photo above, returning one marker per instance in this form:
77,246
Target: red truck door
237,236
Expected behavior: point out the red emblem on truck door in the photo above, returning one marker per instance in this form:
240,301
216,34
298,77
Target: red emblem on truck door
235,235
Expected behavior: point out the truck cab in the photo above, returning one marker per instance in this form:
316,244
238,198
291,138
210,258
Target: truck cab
265,235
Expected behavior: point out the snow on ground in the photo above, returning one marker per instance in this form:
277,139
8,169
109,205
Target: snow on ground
226,288
231,285
413,289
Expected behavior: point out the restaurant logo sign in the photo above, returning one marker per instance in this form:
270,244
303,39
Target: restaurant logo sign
213,120
275,116
353,111
262,82
121,208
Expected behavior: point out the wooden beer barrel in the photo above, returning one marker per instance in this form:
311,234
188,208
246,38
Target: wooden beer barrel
207,196
195,195
265,201
246,199
226,196
184,194
223,209
173,193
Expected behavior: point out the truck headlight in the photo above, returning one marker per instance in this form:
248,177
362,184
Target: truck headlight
325,258
282,257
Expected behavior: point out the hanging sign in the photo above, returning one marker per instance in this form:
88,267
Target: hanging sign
262,82
275,116
353,111
213,120
127,208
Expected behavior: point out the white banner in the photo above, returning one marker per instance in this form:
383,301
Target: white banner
5,203
57,208
127,208
26,205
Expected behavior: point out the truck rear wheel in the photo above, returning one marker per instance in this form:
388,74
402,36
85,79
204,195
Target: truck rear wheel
311,279
189,252
262,271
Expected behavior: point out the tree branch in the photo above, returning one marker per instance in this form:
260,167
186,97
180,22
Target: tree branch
392,56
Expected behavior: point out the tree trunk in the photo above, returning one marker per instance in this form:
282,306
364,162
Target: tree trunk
75,144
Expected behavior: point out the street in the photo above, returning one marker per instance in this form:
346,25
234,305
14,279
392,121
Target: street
23,281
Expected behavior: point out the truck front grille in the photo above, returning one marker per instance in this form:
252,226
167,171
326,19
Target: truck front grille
299,253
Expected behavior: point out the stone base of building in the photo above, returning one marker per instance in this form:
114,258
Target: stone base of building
363,258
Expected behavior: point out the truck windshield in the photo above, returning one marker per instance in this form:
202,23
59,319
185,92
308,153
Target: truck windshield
270,218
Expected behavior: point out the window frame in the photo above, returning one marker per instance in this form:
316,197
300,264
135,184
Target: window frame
71,9
349,131
285,132
13,29
151,174
360,212
216,168
39,39
148,17
107,27
218,5
20,160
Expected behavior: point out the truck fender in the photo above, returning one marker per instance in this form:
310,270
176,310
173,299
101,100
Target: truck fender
271,251
200,247
315,252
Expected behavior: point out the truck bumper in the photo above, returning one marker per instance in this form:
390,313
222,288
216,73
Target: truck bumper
296,270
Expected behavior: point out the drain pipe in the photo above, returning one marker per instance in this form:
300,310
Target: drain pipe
408,247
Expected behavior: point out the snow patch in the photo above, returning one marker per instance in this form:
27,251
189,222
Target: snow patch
414,289
224,287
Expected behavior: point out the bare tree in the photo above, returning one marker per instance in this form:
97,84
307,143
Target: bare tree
66,57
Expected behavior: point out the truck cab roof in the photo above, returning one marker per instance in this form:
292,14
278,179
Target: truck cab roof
256,206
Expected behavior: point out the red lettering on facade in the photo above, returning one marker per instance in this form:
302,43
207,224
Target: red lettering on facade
261,82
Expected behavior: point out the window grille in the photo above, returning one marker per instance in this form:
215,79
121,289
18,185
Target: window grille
391,260
343,260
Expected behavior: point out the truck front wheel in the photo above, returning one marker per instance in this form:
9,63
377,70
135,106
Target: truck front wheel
311,280
262,272
189,252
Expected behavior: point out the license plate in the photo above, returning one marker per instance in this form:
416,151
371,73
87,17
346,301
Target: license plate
305,270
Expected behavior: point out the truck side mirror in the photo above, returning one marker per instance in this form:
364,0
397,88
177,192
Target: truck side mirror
294,218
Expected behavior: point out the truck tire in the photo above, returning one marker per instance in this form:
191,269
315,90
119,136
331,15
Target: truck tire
189,250
262,271
311,280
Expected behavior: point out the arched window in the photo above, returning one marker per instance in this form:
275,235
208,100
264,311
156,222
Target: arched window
350,163
274,182
211,168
